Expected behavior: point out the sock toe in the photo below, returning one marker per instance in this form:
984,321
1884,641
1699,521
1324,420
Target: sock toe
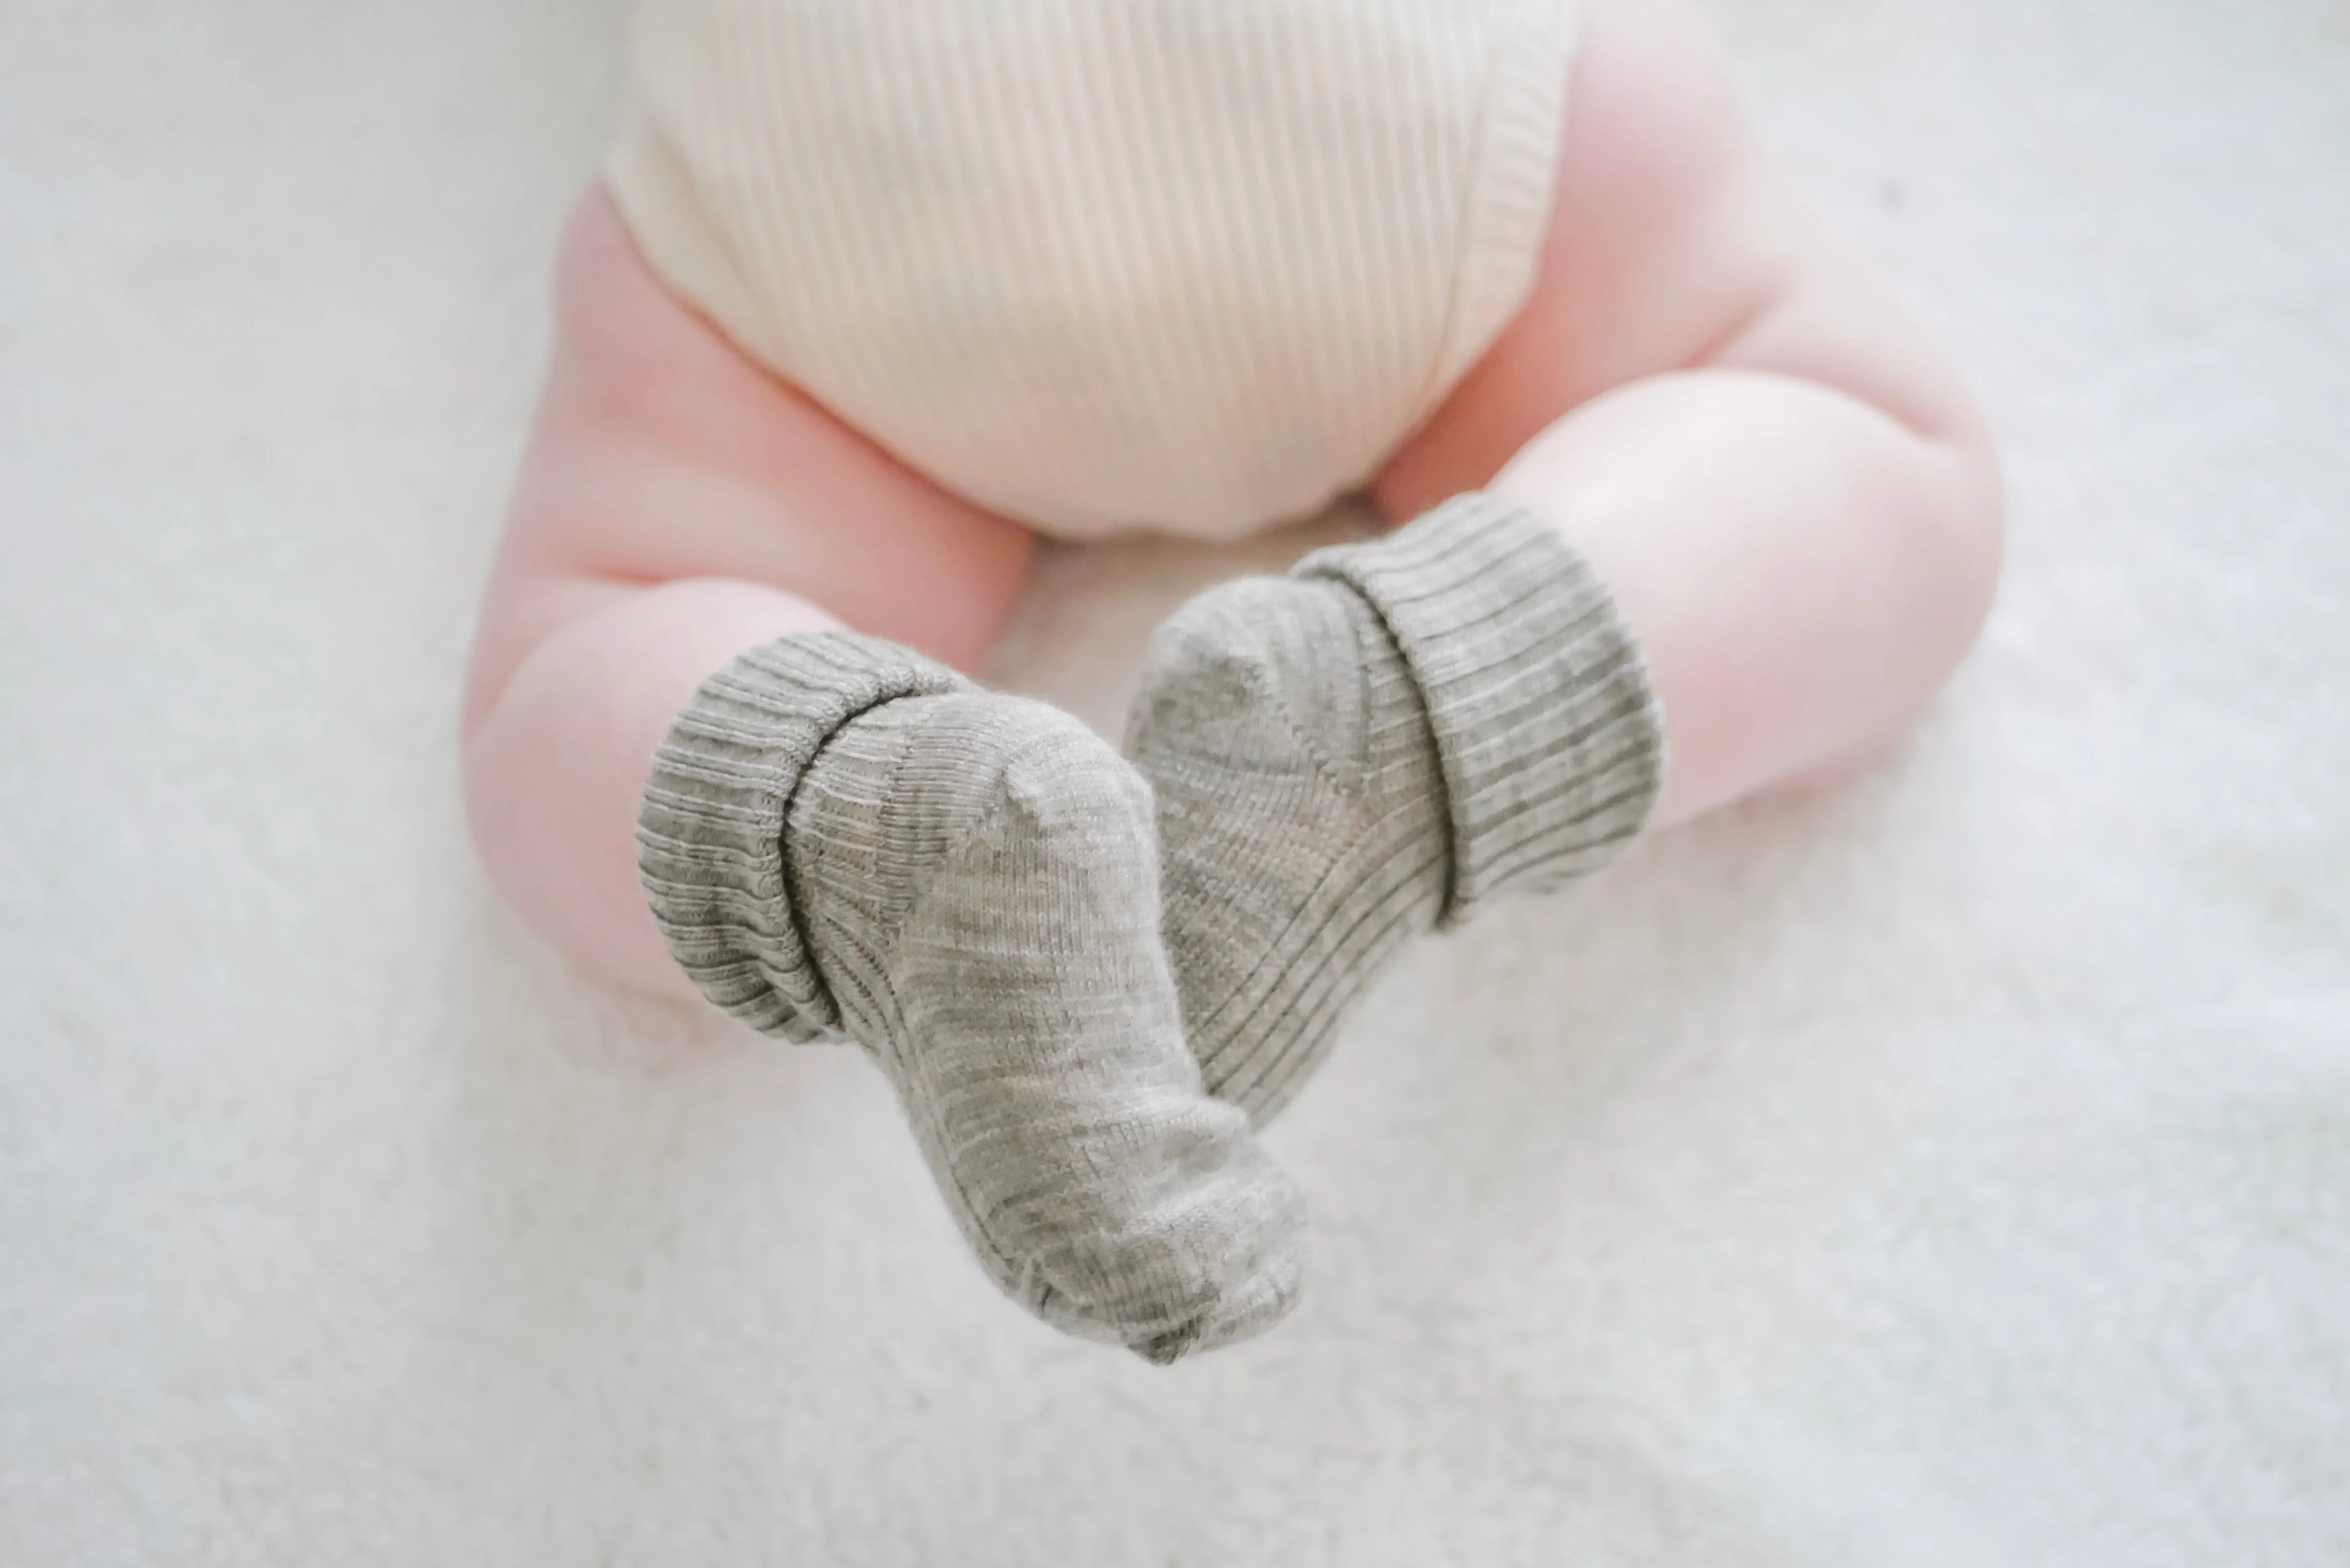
844,839
1120,1201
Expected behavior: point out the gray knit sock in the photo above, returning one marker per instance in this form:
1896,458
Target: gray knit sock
842,838
1377,745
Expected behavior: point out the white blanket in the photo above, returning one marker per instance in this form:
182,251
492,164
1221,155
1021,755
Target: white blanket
1951,1170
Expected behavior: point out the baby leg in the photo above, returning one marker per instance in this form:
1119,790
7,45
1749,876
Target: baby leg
838,833
1718,401
676,505
1710,485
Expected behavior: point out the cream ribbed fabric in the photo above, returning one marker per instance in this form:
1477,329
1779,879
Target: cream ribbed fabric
1195,265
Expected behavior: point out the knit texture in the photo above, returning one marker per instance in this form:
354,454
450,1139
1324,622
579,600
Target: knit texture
1194,266
1380,743
842,838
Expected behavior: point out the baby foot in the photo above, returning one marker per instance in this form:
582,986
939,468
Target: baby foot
841,837
1371,747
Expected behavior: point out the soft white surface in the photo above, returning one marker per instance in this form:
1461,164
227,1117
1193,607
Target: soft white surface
1952,1170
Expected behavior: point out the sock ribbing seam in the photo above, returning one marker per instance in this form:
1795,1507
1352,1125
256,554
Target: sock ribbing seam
710,819
1548,731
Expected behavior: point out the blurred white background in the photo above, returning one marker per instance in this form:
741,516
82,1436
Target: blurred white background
1954,1169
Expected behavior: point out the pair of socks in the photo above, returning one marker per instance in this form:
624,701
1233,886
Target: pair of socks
1089,975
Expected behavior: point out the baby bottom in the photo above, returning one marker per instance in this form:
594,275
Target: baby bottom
1710,393
1712,400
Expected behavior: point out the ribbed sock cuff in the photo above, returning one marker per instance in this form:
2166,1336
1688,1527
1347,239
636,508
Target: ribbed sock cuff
710,826
1548,731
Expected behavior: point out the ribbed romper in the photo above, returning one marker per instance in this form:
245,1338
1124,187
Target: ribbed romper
1195,266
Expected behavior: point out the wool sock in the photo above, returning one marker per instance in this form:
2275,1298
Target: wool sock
843,838
1378,745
